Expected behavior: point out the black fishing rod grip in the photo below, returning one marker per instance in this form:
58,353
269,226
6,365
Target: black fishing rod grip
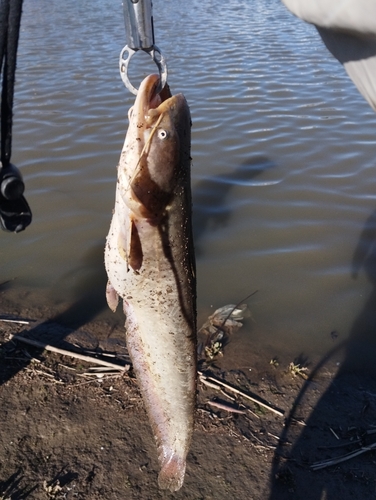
12,186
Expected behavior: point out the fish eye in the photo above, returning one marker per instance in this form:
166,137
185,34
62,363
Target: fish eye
162,134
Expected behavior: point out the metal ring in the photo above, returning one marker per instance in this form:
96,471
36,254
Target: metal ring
162,66
158,59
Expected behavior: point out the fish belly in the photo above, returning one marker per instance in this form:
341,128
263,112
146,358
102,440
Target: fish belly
160,341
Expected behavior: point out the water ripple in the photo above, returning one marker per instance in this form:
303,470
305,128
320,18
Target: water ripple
283,150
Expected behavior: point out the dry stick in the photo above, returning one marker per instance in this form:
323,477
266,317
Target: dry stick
227,395
19,321
253,413
41,372
342,458
105,354
213,381
298,421
88,359
207,383
96,369
222,406
334,434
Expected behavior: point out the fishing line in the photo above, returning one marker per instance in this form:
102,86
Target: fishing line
235,307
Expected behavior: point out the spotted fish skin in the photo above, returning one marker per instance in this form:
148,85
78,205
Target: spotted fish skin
149,259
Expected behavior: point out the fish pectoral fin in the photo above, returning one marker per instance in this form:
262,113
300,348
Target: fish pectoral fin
129,246
112,297
135,255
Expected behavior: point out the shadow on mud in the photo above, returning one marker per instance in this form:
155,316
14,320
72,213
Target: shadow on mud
12,489
344,418
88,300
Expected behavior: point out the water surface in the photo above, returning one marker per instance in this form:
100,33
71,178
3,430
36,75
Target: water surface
283,148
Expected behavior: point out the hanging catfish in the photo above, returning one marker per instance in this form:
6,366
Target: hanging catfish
150,264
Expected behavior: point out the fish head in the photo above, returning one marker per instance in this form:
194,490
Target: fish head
159,133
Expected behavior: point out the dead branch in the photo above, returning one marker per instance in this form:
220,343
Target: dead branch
225,407
214,381
19,321
342,458
88,359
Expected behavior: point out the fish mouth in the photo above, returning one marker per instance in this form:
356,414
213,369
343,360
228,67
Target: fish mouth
148,99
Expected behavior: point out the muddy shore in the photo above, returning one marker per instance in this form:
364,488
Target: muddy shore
66,433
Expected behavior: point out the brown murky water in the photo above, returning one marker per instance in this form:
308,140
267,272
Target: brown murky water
284,177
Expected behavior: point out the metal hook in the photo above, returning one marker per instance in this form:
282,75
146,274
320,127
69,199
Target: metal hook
157,57
139,32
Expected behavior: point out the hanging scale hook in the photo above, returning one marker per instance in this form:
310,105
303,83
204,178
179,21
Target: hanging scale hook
139,31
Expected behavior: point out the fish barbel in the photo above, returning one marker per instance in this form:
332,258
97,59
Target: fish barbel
150,264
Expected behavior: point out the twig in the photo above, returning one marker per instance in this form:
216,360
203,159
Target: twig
214,381
341,445
264,445
253,413
88,359
46,374
19,321
227,395
225,407
95,369
88,382
273,435
342,458
65,366
299,421
209,384
104,372
334,434
108,354
104,354
205,411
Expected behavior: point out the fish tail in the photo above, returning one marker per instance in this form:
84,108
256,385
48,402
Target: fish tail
172,472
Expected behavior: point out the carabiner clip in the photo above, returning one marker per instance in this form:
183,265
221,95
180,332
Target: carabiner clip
139,31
